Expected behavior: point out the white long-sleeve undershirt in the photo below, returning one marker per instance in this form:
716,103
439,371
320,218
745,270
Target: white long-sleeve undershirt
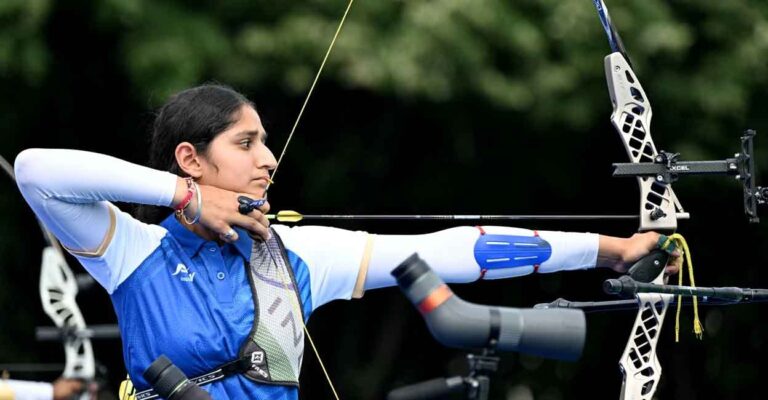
70,191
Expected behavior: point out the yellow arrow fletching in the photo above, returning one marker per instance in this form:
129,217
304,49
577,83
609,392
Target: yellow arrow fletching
286,216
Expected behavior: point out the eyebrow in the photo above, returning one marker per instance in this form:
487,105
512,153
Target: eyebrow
264,134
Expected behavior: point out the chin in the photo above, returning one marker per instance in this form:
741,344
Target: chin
258,191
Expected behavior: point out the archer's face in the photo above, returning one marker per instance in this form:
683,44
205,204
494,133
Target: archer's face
238,159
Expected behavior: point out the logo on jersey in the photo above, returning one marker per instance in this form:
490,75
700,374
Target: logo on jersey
182,269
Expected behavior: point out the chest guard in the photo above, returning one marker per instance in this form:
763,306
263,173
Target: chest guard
276,341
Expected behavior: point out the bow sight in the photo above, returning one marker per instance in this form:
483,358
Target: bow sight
666,168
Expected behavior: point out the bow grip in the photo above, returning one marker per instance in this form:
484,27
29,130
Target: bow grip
650,266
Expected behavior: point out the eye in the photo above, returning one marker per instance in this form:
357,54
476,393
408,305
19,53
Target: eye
246,143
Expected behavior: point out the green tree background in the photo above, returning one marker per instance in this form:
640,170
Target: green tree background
481,106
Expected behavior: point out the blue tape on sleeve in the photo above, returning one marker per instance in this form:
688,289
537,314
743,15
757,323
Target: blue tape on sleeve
508,251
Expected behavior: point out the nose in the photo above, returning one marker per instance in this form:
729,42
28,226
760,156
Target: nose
265,159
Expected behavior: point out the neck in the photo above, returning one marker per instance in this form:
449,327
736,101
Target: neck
200,230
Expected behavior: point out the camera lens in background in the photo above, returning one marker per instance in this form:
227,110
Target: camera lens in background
557,334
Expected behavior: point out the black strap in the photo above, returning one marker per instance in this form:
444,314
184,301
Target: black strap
239,366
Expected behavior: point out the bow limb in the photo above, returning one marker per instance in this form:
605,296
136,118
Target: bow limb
58,292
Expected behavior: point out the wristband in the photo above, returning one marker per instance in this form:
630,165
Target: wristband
184,203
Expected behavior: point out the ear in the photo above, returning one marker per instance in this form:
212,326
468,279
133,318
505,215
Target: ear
189,160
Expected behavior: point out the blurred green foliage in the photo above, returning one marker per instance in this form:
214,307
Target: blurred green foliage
23,52
499,104
537,57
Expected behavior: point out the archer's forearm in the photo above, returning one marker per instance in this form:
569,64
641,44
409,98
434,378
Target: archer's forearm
465,254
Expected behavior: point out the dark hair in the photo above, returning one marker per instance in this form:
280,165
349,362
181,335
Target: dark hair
195,115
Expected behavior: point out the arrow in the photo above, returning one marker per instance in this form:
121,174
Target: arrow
291,216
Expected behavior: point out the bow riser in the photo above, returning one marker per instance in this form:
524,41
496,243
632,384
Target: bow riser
659,211
659,208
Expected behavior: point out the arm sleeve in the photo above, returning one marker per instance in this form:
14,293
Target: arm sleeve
343,264
451,254
70,192
25,390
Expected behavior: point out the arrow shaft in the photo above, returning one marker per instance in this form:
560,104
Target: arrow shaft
460,217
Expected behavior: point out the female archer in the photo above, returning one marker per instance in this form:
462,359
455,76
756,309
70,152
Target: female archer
224,294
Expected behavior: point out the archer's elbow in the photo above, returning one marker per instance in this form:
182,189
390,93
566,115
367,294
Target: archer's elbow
28,169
